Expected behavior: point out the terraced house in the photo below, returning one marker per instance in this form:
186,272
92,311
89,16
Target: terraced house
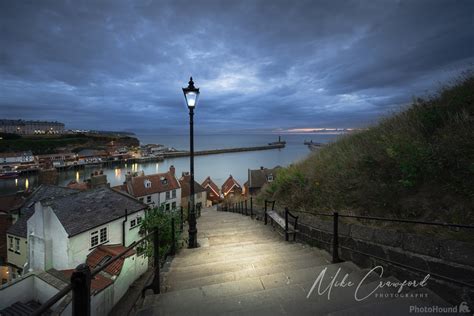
160,189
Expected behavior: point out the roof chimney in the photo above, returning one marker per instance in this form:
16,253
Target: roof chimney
172,170
261,167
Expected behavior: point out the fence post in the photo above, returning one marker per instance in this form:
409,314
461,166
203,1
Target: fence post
156,262
265,211
273,205
81,290
251,207
182,218
173,237
335,239
286,224
246,209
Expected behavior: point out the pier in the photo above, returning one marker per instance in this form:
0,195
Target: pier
222,151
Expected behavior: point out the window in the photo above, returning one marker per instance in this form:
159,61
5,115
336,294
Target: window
139,220
147,184
173,205
141,199
17,245
103,235
167,195
167,207
174,194
270,177
94,239
10,247
133,223
148,199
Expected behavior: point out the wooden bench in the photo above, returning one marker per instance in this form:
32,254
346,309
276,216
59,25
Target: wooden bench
289,228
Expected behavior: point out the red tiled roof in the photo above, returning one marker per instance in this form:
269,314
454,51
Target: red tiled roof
208,183
104,251
98,283
78,185
229,184
136,185
184,182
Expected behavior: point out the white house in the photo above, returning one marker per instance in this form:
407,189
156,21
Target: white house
75,224
160,189
84,226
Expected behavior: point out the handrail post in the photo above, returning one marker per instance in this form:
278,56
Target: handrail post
156,261
173,237
251,207
265,211
286,224
81,290
335,239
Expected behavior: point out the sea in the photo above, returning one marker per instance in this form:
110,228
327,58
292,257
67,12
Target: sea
218,167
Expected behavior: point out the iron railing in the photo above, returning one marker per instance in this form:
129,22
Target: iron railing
334,244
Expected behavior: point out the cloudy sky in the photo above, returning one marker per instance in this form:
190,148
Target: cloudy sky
260,64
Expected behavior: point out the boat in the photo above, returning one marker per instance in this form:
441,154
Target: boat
279,142
9,174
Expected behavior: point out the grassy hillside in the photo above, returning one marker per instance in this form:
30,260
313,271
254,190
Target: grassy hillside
416,164
50,144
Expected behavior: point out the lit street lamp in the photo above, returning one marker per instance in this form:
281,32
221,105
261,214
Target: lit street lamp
191,95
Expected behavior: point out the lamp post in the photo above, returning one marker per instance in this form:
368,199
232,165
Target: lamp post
191,95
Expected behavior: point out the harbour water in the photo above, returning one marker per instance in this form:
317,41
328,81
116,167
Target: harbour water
219,167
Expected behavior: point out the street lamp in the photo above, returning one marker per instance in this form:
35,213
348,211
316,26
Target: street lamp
191,95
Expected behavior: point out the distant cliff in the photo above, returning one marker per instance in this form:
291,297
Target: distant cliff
416,164
75,142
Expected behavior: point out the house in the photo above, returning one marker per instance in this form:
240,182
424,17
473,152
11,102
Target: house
213,194
13,159
160,189
91,226
75,224
200,193
28,292
57,160
231,187
16,234
9,209
259,177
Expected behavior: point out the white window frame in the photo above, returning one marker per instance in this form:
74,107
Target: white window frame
94,236
167,195
98,236
148,199
173,194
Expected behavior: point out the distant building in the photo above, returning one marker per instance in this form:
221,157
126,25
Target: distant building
231,187
258,178
25,157
160,189
22,127
200,193
213,194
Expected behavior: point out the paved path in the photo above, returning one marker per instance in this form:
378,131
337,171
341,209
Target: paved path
245,268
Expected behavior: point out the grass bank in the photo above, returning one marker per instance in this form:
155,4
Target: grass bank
416,164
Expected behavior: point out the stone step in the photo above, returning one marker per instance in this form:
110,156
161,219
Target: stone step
180,281
238,254
228,298
237,266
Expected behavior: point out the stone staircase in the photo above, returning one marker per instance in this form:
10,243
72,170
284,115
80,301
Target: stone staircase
245,268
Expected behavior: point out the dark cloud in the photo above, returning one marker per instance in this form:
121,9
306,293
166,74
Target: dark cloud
260,64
